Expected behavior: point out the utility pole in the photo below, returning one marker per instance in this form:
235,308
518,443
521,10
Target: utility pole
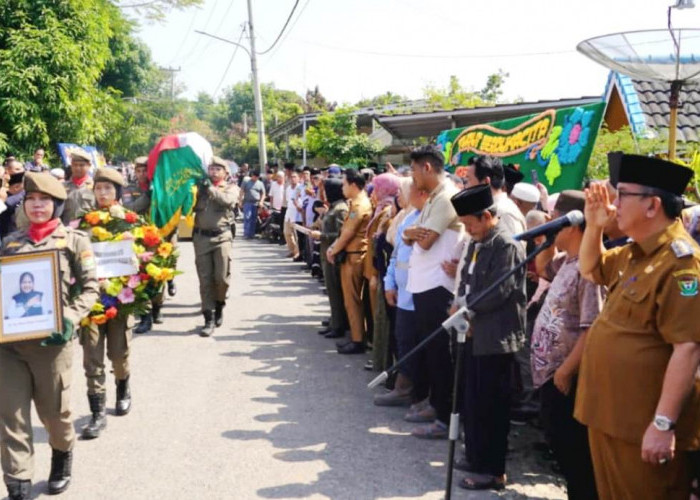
172,72
256,91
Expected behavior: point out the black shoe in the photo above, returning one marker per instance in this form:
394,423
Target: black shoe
325,322
325,331
61,466
219,314
172,289
208,328
98,420
18,489
343,343
156,314
352,348
298,258
335,334
145,324
123,405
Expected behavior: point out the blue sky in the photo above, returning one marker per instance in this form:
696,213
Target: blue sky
360,48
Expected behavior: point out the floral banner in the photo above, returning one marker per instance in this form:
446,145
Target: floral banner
552,147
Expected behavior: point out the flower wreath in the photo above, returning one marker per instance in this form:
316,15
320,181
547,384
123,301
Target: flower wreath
126,295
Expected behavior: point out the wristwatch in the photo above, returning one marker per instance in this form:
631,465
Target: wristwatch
663,423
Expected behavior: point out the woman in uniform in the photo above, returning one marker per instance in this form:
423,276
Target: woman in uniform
41,371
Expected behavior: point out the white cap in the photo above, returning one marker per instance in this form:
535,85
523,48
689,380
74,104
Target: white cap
58,173
525,192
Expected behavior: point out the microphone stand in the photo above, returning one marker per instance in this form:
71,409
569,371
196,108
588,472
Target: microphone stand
459,321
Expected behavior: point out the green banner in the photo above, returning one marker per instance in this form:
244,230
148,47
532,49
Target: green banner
554,146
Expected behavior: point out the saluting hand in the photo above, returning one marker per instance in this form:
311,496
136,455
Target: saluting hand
599,211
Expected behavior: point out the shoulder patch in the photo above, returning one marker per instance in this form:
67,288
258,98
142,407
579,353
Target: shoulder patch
681,248
13,244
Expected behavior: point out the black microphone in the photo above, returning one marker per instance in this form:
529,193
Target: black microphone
573,218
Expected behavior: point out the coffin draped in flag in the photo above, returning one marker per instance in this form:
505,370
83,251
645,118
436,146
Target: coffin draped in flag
175,165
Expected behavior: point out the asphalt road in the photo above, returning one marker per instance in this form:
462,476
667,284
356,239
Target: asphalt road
264,409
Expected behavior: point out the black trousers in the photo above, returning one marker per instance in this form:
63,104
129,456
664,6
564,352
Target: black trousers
569,441
486,409
431,310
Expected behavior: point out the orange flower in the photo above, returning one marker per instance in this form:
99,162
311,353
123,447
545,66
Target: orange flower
92,218
131,217
151,238
99,319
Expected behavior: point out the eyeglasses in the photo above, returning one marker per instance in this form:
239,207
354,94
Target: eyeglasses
622,194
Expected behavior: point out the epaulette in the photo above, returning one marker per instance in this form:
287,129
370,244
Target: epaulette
681,248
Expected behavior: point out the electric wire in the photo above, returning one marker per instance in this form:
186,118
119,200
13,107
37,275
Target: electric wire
289,18
235,51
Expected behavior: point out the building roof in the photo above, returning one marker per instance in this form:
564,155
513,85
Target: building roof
430,124
646,104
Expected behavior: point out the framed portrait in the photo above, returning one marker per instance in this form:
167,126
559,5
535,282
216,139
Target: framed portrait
30,290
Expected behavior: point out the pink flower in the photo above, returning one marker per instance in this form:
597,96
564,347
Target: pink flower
126,235
146,256
134,281
126,296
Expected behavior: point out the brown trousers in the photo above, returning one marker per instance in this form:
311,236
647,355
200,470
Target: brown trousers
29,373
351,280
116,333
620,473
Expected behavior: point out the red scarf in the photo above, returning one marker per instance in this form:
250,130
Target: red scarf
79,181
38,232
221,182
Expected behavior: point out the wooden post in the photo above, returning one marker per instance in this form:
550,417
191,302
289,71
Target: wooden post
673,119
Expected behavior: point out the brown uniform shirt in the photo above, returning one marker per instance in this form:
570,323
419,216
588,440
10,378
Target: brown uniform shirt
79,288
137,199
359,215
214,208
80,201
652,304
379,224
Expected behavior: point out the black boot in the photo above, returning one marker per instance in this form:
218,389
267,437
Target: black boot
219,314
155,313
208,328
123,397
18,489
98,421
172,290
145,324
61,465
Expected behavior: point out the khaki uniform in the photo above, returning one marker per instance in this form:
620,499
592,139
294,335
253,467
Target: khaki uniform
116,333
351,271
136,199
32,372
212,240
330,230
379,223
80,201
653,293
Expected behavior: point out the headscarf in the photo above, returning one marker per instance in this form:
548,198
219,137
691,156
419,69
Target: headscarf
334,189
405,189
386,187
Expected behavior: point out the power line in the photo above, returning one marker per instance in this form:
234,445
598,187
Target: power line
184,39
289,18
186,59
286,35
223,77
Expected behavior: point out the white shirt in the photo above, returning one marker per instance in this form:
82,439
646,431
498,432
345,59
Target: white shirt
292,194
425,266
277,195
509,214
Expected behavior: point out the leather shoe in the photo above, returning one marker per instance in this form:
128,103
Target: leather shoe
343,343
352,348
325,322
324,331
335,334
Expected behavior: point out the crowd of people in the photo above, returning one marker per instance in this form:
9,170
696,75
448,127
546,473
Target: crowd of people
590,340
590,337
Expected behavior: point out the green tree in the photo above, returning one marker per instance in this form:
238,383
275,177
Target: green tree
381,100
455,96
315,101
278,105
335,139
620,140
154,9
493,90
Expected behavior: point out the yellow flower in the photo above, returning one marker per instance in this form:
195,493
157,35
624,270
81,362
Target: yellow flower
114,287
165,249
97,307
167,274
104,216
85,321
139,249
138,234
101,233
153,271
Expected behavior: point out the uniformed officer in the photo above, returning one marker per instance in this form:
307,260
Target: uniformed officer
80,196
136,196
115,333
352,242
42,371
330,230
212,242
638,392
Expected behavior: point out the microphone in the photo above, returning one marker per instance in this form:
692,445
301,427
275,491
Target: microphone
573,218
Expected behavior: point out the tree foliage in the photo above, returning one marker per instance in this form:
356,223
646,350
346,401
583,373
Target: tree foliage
620,140
381,100
315,101
455,96
154,9
278,105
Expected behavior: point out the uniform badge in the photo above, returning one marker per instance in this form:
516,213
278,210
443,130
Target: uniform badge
681,248
13,244
61,243
688,286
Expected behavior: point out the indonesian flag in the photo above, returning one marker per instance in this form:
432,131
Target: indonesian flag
175,165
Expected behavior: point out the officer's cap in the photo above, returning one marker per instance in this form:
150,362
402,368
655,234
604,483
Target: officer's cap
219,162
655,173
105,174
81,154
44,183
141,160
614,161
473,200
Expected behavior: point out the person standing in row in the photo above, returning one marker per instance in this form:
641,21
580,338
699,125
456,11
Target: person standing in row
352,245
212,241
114,335
80,199
292,215
253,198
42,371
638,389
137,197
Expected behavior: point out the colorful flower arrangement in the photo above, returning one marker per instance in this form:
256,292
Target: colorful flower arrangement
126,295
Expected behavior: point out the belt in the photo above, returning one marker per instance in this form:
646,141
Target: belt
208,233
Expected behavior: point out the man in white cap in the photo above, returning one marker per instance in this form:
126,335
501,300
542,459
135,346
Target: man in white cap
525,196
